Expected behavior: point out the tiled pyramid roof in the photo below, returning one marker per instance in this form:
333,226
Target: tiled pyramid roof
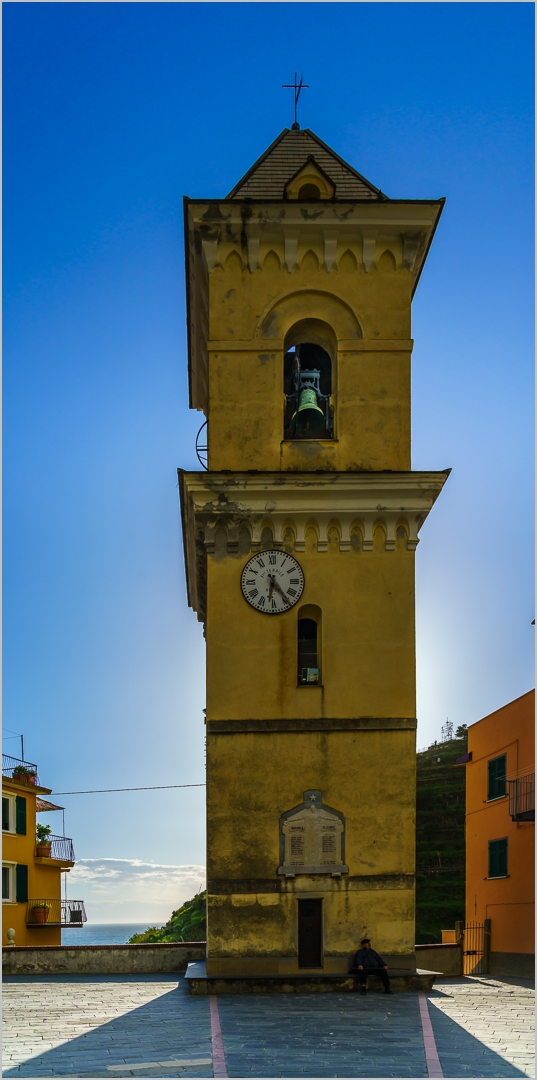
287,154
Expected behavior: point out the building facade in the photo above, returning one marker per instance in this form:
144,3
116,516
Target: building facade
500,833
32,864
299,544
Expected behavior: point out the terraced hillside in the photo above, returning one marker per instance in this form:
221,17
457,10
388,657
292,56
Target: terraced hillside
440,841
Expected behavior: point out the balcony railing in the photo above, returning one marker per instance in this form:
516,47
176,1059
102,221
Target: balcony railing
56,847
522,798
23,772
62,913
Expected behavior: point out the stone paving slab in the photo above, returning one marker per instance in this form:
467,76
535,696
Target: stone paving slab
76,1026
484,1026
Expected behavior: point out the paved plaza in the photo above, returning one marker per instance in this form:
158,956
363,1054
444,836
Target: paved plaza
149,1026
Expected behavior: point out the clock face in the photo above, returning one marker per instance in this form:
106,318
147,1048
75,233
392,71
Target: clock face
272,582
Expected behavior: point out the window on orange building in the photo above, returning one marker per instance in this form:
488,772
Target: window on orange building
497,769
498,858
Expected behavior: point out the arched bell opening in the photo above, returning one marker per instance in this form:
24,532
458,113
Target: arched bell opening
308,381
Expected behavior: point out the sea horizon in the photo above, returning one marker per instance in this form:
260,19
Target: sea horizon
93,933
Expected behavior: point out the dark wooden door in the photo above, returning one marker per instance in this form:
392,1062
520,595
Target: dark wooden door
309,933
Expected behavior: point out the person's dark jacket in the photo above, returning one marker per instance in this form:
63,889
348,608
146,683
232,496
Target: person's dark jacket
368,958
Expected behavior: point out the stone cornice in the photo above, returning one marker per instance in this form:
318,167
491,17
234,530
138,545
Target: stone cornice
346,723
210,500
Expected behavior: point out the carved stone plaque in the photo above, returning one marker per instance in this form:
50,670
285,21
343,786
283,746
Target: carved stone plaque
312,838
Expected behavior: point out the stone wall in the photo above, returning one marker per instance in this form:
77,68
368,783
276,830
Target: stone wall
446,959
519,965
101,959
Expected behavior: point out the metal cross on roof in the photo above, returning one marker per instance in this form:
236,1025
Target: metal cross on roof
297,87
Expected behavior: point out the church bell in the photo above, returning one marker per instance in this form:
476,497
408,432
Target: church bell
309,418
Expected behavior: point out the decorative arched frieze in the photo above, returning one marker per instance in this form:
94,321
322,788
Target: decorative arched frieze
267,536
288,536
379,535
348,263
311,537
220,541
310,262
356,536
386,263
226,536
245,539
333,537
271,262
233,263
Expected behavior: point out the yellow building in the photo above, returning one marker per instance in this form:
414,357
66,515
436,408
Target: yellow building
299,548
32,866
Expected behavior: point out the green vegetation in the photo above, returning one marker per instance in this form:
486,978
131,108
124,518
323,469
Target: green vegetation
188,923
440,843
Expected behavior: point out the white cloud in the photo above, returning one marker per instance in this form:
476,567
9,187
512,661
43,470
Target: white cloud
129,890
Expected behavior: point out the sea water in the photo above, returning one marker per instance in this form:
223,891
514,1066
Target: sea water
102,933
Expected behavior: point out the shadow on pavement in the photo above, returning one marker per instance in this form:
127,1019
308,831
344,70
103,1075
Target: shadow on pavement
462,1054
172,1025
280,1035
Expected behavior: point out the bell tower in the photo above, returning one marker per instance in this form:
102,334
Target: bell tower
299,543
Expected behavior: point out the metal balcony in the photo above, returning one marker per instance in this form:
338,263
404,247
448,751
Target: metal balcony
64,913
61,848
522,798
22,772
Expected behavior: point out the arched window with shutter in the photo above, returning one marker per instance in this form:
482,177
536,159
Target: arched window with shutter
309,646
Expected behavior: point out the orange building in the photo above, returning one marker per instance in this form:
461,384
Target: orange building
500,822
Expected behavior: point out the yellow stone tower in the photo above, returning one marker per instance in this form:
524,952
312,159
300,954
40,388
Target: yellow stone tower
299,546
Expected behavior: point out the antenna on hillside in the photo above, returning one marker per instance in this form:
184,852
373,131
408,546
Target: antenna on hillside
447,731
297,87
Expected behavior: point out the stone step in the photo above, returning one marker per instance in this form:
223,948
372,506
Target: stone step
200,983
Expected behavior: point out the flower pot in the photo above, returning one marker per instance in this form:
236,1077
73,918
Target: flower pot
43,851
40,914
24,777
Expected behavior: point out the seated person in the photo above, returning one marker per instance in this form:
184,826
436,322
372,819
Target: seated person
368,962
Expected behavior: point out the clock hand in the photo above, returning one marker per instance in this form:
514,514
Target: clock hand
280,590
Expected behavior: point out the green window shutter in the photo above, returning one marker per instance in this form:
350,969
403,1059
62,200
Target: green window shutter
22,883
20,815
497,769
498,858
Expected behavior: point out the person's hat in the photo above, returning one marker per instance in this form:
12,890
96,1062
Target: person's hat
365,941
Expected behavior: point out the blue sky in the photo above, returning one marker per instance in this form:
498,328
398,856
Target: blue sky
112,112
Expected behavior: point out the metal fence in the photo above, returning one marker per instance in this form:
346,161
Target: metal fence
476,948
522,798
55,913
61,847
23,772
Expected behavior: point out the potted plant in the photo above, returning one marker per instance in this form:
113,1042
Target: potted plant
42,843
22,775
40,912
